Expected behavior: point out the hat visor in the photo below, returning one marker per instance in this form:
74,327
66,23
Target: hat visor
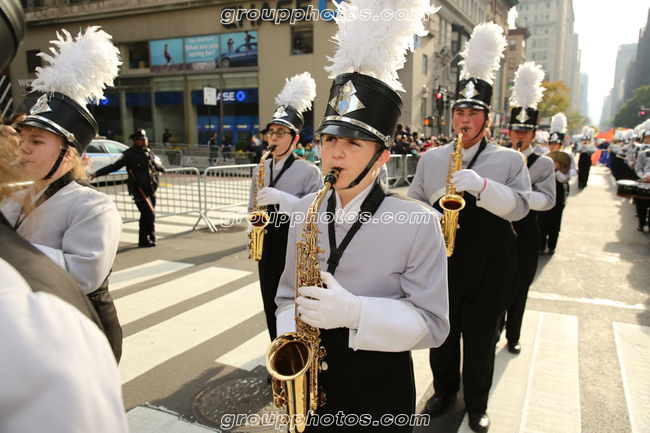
522,127
283,123
469,104
36,123
346,130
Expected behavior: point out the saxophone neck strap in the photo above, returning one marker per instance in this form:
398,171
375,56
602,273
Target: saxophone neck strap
481,148
52,189
290,159
368,209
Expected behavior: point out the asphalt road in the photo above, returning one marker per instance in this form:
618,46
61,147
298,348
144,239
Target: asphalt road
194,330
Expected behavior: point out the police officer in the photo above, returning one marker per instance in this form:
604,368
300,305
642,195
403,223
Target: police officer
482,268
143,171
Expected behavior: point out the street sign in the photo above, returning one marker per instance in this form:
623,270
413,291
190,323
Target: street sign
209,96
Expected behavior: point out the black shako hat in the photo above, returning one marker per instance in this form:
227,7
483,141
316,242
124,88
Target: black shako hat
523,119
473,93
362,107
556,137
288,116
63,116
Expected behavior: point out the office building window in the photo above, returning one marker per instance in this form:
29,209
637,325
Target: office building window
138,55
513,44
302,40
511,64
33,61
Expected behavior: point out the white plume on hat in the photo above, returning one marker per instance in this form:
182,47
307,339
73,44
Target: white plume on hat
585,131
559,123
528,90
618,134
298,92
483,52
629,134
377,47
80,68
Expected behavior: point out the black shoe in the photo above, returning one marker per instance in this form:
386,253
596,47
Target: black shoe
542,252
479,422
551,252
146,244
514,348
639,229
437,404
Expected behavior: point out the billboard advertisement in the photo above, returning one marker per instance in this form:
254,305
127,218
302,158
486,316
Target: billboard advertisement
238,49
166,55
202,52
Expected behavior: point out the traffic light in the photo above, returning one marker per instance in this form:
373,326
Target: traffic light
428,121
439,95
440,101
442,121
641,113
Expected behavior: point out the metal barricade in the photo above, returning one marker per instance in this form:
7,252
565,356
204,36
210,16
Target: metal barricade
179,193
410,166
395,167
227,187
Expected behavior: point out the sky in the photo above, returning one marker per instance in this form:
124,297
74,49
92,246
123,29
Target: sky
602,27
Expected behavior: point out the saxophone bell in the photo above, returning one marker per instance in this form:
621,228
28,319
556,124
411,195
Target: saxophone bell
452,202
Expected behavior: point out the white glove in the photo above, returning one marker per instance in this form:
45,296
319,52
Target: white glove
468,180
561,177
268,195
331,308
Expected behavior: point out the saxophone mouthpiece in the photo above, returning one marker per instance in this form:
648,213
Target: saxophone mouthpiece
271,147
463,130
332,176
519,144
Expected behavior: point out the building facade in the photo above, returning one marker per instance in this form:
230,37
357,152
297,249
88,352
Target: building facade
637,74
584,91
550,23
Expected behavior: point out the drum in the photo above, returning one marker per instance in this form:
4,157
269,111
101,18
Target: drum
643,190
626,188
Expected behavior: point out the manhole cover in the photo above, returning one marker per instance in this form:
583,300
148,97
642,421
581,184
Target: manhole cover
239,405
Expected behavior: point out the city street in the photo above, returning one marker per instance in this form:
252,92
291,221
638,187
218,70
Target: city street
195,333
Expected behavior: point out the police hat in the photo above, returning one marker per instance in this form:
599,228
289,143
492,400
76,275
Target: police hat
140,134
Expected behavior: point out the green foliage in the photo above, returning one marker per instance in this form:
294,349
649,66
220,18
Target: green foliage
241,146
557,99
628,115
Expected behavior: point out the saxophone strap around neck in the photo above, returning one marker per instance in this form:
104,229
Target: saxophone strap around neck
50,190
290,160
368,208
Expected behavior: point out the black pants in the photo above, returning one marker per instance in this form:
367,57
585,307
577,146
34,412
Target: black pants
584,164
550,223
147,218
642,206
102,301
527,256
270,268
367,391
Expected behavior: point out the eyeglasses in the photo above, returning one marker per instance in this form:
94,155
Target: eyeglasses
279,133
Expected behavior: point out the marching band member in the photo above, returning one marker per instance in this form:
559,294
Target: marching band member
482,269
642,171
526,94
377,306
541,146
586,149
550,221
613,150
287,179
72,223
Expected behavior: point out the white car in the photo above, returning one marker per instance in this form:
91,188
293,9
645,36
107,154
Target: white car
103,152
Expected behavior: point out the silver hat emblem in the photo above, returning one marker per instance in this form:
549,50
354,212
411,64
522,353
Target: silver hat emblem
40,106
469,91
279,112
346,101
523,116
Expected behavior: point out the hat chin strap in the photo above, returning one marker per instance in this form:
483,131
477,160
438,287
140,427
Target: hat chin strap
288,148
365,171
56,165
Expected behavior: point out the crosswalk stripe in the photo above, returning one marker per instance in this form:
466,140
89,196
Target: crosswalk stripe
141,304
248,355
153,346
633,347
540,383
148,420
147,271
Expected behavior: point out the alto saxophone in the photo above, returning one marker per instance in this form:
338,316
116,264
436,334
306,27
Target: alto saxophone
452,202
258,219
294,359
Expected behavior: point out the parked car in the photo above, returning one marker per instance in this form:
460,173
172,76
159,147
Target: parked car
103,152
245,55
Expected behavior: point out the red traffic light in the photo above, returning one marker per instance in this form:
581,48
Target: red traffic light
428,121
439,95
642,113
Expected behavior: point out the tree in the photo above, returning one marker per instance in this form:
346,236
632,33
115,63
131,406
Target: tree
628,116
557,99
575,122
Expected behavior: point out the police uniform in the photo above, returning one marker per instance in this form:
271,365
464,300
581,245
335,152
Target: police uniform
294,178
142,182
542,197
482,269
395,264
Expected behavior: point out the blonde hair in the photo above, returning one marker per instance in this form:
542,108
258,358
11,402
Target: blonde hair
10,171
77,166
